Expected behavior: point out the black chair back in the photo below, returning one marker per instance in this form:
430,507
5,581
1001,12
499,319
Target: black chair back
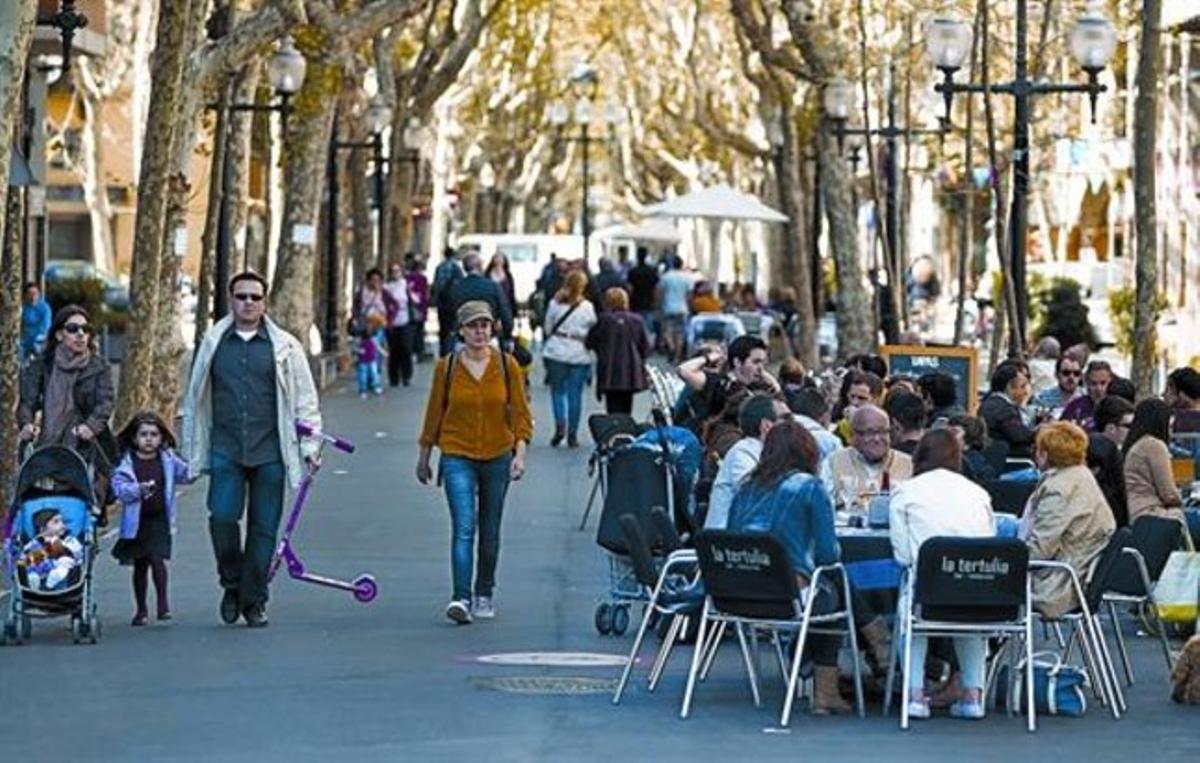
1106,567
747,574
667,533
1009,496
639,551
971,579
1154,538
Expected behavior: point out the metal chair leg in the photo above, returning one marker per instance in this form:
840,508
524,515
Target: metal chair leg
664,652
633,653
794,677
711,649
748,660
1115,619
695,669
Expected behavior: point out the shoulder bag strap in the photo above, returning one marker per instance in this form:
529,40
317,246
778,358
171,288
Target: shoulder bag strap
445,394
558,324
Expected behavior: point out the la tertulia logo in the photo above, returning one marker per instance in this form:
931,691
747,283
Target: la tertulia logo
749,557
993,566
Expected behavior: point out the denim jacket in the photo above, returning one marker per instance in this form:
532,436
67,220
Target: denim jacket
125,486
797,511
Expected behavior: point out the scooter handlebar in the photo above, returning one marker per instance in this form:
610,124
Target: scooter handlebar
305,429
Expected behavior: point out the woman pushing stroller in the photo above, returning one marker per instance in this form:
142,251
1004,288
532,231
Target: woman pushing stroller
67,393
478,416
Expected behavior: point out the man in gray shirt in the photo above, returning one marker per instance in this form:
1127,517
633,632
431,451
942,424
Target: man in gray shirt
250,384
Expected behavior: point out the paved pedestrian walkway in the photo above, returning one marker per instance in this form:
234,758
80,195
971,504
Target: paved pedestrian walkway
393,680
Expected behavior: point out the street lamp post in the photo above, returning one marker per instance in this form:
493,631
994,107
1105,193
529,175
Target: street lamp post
1093,40
838,101
585,82
378,116
285,72
67,21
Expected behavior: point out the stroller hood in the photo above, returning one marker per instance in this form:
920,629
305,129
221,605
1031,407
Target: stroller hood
66,468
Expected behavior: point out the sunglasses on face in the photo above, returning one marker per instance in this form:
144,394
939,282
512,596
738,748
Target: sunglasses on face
1066,372
245,297
75,328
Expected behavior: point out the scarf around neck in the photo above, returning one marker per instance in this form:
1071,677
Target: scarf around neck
58,408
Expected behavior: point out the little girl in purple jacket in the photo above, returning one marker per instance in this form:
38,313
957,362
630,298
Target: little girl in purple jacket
144,482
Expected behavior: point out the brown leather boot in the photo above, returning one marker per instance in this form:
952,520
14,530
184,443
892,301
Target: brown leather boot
878,638
827,700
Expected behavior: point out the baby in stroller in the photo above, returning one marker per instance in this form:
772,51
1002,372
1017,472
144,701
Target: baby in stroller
49,558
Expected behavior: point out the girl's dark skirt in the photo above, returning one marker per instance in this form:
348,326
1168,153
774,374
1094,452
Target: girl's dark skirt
153,541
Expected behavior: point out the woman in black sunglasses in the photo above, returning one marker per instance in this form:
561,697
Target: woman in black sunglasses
71,388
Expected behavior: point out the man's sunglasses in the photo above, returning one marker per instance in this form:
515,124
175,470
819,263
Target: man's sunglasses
1066,372
75,328
249,297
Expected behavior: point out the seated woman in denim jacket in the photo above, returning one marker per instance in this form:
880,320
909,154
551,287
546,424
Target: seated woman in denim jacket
783,496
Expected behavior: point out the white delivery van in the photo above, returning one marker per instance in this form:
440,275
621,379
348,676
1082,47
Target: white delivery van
527,253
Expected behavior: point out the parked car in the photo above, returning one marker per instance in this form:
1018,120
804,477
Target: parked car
60,271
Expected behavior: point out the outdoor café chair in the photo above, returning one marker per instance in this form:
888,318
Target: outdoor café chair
1085,625
966,586
667,595
1131,581
750,583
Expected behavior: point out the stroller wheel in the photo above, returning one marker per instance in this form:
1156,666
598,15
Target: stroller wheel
9,635
620,619
604,619
26,627
77,631
93,635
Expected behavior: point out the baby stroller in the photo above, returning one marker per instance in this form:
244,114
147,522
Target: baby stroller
609,432
650,473
57,478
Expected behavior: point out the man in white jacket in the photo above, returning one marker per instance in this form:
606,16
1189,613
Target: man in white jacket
250,383
756,416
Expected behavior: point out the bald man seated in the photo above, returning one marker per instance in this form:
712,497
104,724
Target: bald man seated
869,465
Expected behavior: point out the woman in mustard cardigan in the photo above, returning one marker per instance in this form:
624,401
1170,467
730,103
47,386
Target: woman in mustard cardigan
478,416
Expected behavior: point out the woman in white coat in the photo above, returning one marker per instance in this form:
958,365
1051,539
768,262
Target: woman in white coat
940,501
568,361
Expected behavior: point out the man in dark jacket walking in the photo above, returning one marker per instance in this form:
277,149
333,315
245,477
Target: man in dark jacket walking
447,274
476,286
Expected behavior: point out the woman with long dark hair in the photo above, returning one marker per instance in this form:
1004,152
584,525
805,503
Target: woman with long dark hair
499,271
1150,488
784,497
67,393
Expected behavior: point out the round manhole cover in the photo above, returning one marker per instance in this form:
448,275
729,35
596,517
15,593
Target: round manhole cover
559,685
556,659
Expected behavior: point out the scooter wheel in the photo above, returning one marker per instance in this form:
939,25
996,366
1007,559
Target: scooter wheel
603,618
365,588
620,620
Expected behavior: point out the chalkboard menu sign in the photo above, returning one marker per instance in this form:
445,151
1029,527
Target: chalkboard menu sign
960,362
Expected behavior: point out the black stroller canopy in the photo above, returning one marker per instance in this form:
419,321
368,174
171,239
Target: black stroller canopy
64,466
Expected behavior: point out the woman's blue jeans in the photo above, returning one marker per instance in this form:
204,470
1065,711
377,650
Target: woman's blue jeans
475,491
566,394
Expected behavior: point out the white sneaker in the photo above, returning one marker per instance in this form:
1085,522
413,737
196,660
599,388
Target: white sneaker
459,612
918,708
484,608
362,395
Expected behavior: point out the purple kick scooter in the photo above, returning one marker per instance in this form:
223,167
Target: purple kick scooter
363,587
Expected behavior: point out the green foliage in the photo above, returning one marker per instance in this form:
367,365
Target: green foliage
1121,305
1061,313
88,293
